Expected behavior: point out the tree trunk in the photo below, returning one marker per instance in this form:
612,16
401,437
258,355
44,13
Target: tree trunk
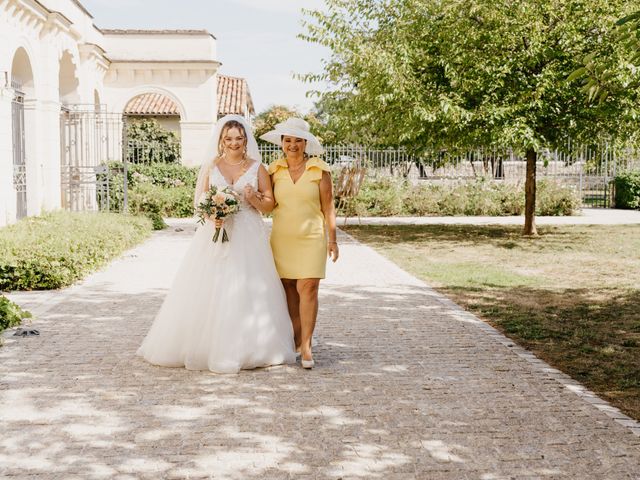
530,194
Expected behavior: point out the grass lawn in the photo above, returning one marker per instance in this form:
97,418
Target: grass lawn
572,295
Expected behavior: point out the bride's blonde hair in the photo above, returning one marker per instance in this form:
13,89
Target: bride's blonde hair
228,126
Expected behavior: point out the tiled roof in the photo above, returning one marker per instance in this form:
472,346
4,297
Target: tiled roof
233,96
151,104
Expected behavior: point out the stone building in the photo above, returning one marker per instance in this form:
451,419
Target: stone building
66,84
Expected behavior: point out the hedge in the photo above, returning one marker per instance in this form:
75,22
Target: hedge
57,249
11,314
627,188
387,196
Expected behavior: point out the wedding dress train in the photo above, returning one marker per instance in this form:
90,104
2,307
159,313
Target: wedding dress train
226,309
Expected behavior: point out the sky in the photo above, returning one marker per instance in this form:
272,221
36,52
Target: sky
256,39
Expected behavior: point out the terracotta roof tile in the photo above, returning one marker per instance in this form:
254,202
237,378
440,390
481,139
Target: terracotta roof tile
151,104
233,96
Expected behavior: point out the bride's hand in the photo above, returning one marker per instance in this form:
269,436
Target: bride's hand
219,222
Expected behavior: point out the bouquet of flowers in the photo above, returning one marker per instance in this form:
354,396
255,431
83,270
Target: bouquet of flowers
217,203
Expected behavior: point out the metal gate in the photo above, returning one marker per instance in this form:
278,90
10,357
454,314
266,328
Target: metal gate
90,138
19,159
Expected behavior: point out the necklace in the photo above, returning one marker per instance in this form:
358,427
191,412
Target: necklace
298,168
244,159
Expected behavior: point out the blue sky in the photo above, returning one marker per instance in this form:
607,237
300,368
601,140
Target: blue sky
256,39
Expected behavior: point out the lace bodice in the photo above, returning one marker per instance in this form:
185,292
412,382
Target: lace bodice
250,177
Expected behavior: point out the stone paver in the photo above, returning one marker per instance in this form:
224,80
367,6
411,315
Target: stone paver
588,216
407,385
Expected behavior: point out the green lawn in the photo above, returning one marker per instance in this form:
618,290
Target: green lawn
572,295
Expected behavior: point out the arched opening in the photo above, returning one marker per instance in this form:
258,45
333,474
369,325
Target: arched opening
68,80
23,124
153,128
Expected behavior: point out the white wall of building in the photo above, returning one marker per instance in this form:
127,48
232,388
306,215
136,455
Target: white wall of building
71,61
146,63
44,37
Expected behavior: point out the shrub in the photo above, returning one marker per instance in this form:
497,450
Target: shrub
553,198
150,142
388,197
150,199
57,249
423,200
10,313
627,186
380,198
154,190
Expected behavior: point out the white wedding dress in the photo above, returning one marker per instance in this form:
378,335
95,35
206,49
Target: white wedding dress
226,309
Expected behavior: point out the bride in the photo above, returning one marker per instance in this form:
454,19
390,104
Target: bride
226,309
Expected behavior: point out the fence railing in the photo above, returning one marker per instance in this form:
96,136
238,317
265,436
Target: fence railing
504,164
589,169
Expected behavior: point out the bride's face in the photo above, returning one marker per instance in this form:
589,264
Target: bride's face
293,146
234,140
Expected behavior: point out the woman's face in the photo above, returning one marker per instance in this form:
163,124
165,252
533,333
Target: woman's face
233,140
293,146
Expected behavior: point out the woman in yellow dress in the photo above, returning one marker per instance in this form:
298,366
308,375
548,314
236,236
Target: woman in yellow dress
304,225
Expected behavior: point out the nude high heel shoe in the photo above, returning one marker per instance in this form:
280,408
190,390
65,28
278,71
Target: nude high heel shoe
307,364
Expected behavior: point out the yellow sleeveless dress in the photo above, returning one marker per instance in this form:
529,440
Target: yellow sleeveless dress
298,236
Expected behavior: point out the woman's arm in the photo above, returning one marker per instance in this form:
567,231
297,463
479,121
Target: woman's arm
329,211
263,199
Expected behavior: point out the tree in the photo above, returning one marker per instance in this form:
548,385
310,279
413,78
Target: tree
148,141
456,75
615,70
267,120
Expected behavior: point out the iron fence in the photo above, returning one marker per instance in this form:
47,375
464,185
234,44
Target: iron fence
19,157
90,138
589,169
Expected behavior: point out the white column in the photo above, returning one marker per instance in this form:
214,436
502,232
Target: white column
50,160
194,139
7,191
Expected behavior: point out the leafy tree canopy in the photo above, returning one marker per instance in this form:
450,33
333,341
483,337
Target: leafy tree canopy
151,142
451,75
614,71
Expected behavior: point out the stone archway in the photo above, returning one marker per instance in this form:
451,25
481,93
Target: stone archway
165,113
68,82
157,106
23,123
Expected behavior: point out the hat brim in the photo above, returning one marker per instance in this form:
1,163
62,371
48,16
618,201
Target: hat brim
313,145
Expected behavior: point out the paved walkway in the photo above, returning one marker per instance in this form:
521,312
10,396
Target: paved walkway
589,216
406,386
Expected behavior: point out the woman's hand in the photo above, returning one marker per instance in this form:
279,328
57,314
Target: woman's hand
219,222
252,195
333,251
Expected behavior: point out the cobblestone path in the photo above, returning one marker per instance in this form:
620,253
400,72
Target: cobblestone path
407,385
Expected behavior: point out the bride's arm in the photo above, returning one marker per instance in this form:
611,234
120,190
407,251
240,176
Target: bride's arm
263,199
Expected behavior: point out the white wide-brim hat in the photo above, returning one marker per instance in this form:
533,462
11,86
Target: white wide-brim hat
294,127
